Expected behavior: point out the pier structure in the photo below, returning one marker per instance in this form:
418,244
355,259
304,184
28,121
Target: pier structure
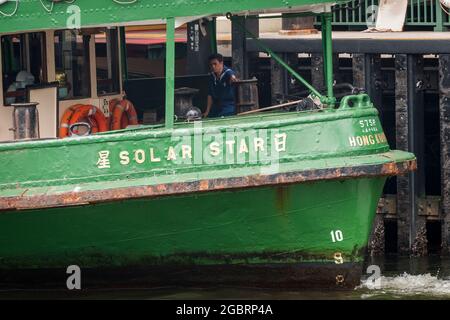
407,76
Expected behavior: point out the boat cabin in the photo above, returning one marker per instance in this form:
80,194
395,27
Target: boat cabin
58,69
66,70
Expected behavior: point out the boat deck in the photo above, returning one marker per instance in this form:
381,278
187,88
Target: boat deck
336,168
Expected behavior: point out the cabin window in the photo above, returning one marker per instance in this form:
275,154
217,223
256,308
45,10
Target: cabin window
72,64
107,60
23,62
146,51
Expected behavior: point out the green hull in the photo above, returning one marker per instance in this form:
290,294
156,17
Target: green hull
260,225
280,225
297,210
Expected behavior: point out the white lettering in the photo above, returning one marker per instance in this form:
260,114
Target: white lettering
186,151
230,144
215,149
359,141
366,140
171,155
280,142
139,156
243,147
124,158
103,160
258,144
152,156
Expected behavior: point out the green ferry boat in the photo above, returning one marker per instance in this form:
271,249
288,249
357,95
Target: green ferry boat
267,199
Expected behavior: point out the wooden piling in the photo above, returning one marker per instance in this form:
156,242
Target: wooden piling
444,110
409,136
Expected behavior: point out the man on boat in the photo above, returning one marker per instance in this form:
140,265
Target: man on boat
221,95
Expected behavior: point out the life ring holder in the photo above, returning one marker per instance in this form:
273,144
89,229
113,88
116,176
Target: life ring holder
78,124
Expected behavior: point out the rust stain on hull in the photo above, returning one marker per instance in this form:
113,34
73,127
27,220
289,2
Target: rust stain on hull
282,198
118,194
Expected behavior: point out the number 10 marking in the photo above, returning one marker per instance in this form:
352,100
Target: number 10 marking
337,236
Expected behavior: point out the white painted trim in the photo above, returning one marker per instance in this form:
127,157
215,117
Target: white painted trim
93,67
50,54
6,121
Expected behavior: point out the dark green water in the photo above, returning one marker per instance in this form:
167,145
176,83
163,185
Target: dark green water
400,278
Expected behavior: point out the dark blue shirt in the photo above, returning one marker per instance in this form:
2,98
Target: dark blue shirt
222,93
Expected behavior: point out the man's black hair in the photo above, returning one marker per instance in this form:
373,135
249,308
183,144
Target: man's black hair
216,56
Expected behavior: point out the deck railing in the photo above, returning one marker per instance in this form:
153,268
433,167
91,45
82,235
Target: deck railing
421,13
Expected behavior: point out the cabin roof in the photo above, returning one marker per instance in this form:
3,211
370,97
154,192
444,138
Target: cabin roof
35,15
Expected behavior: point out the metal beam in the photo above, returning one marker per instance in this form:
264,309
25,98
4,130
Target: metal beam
199,46
239,52
354,46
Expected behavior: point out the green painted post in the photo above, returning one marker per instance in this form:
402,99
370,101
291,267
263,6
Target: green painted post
328,55
324,49
170,71
439,18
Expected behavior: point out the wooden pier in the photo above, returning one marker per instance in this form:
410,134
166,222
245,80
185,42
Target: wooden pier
407,74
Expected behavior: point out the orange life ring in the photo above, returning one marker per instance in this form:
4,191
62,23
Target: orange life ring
88,111
64,124
124,122
124,107
82,113
112,105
